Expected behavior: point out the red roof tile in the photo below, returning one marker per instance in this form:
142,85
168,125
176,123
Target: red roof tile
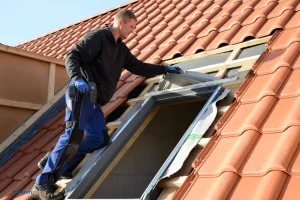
255,153
4,183
259,187
25,196
47,138
19,165
168,28
8,192
290,189
155,17
264,85
29,170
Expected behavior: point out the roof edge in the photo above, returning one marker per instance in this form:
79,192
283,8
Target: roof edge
85,19
29,54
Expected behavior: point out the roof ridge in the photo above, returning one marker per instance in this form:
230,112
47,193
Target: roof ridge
83,20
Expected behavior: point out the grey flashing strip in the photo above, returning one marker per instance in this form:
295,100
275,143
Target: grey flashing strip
90,177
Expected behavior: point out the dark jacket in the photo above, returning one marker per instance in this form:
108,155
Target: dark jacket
99,58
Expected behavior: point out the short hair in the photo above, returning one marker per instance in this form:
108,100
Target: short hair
125,14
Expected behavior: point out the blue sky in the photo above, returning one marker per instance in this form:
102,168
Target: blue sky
22,20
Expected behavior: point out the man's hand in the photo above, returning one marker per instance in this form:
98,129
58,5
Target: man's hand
81,85
173,69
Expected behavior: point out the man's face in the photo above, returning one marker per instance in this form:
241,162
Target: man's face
127,27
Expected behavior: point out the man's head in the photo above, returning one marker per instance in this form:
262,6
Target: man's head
125,22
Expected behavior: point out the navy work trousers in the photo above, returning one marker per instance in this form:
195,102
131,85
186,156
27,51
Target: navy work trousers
92,122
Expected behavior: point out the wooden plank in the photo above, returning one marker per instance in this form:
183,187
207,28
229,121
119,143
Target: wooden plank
59,189
31,120
63,182
133,101
203,142
222,110
234,54
19,104
122,153
147,89
217,51
28,54
110,131
114,125
221,73
51,81
167,194
247,66
175,182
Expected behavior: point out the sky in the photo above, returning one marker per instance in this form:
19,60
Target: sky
23,20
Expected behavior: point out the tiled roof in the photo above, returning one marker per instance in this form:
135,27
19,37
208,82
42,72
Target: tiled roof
166,29
169,27
255,154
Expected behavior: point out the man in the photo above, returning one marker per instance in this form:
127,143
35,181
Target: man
99,57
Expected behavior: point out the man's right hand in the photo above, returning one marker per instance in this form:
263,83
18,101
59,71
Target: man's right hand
81,85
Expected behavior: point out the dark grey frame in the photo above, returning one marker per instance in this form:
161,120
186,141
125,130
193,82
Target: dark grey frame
104,157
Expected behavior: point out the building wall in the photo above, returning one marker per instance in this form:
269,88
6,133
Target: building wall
24,80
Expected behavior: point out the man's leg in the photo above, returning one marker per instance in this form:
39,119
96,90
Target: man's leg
96,137
52,167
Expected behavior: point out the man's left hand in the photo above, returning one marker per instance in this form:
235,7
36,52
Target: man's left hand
173,69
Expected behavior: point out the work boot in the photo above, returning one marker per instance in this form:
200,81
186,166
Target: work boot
45,191
43,161
66,175
42,164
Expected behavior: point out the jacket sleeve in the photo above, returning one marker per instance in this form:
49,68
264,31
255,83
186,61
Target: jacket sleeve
84,52
138,67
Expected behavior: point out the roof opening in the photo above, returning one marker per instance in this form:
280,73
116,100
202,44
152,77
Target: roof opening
116,114
199,50
274,30
177,55
213,73
133,173
223,45
204,61
136,91
251,51
248,38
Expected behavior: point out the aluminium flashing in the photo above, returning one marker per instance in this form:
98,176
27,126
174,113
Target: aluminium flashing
196,91
99,160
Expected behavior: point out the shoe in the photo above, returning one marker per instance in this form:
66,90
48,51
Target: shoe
45,191
43,161
42,164
67,175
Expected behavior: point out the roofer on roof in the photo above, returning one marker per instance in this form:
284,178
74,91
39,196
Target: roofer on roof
99,57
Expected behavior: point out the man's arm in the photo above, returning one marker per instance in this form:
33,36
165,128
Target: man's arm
84,52
138,67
